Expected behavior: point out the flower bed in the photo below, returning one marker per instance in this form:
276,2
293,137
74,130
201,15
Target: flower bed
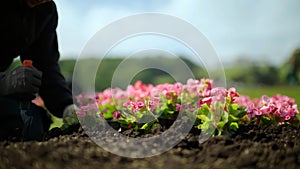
144,106
262,131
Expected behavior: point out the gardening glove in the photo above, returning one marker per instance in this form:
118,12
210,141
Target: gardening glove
22,83
69,115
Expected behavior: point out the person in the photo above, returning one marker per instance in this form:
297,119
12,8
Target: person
28,31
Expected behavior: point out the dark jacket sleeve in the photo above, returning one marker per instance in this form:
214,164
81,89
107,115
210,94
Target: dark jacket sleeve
45,55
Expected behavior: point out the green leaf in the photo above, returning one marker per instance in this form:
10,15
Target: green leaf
139,115
232,118
236,111
234,106
224,120
207,129
234,126
170,112
204,126
225,116
204,110
221,124
241,112
265,120
203,118
123,121
167,112
145,126
298,116
108,115
108,107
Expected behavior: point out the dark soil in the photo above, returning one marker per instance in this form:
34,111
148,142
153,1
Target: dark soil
251,147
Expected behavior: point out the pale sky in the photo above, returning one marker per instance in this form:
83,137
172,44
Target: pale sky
267,30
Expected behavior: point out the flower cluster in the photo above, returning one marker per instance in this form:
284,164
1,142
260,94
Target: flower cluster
210,107
271,110
218,109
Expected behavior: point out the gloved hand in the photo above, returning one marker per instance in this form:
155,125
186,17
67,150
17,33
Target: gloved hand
22,83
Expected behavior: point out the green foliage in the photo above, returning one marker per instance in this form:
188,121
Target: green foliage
254,74
225,118
69,121
107,110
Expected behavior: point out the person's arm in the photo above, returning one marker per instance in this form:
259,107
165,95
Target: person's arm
45,55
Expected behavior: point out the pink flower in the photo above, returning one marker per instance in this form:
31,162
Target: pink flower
83,110
153,103
233,95
156,99
232,92
282,111
244,101
257,112
168,90
295,109
139,90
93,108
206,100
116,114
268,109
192,82
97,99
252,111
209,83
218,93
287,117
84,99
264,100
138,106
80,113
282,99
206,93
89,109
178,107
150,103
39,102
198,87
128,104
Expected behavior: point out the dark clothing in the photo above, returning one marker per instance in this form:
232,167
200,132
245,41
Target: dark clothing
31,34
13,119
